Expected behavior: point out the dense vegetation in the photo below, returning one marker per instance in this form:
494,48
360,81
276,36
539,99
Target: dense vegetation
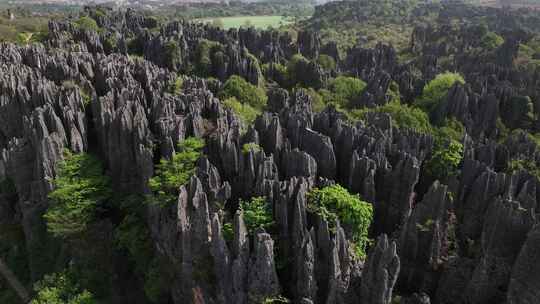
238,8
61,288
412,120
80,189
436,90
173,173
257,214
336,203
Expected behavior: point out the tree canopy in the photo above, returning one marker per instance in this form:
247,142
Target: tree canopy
244,92
173,173
435,90
80,187
335,202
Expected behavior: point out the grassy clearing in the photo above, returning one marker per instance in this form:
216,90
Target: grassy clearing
255,21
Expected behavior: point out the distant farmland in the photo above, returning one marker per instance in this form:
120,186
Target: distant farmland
535,4
255,21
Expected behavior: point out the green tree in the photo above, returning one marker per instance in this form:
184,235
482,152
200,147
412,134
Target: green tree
172,51
335,202
345,89
447,151
244,92
530,166
491,41
86,23
24,38
436,90
247,113
250,147
276,72
173,173
326,62
257,214
295,66
403,116
61,288
203,59
445,160
317,101
80,187
518,112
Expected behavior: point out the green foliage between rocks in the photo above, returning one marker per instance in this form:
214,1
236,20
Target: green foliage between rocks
295,66
247,113
172,52
61,288
86,23
403,116
276,300
335,202
436,90
250,147
171,174
326,62
524,164
257,214
203,59
446,158
80,188
491,41
244,92
344,90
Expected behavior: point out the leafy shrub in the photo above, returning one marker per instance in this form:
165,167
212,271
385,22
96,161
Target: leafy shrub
257,214
451,129
250,147
244,92
61,288
356,215
247,113
133,235
491,41
344,89
173,173
523,164
135,46
24,38
110,43
172,52
303,72
295,65
447,151
156,279
445,160
276,300
176,87
403,116
436,90
317,100
276,72
326,62
228,231
80,187
518,112
86,23
203,59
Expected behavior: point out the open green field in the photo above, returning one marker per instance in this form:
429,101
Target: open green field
255,21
